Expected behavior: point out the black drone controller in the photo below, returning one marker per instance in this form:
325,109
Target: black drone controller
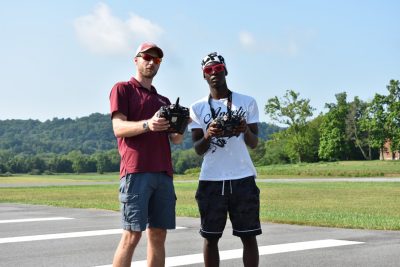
227,124
177,116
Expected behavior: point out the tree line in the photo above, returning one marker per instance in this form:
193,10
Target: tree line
349,130
79,145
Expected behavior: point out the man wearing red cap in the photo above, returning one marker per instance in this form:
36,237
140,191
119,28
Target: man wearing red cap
147,192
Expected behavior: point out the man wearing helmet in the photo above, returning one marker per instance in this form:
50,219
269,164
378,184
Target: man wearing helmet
227,178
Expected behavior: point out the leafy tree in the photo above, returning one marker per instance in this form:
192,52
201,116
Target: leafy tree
81,163
18,164
265,130
293,112
274,151
185,159
312,135
114,158
5,157
36,164
258,153
373,122
3,168
393,118
382,119
333,142
357,110
60,164
103,162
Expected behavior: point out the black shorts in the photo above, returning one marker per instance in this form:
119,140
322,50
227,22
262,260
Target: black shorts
239,198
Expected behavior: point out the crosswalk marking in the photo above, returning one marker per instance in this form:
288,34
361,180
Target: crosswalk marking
263,250
36,220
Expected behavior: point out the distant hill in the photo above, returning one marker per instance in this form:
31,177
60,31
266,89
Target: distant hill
87,134
60,136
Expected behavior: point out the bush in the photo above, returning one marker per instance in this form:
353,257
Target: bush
35,172
193,171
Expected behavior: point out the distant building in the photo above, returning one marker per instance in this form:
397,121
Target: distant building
386,154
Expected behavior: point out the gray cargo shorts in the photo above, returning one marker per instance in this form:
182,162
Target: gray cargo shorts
147,200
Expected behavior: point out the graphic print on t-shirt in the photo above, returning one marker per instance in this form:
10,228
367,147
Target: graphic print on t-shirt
221,141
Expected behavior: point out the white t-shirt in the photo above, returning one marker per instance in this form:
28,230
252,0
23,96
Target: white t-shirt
228,157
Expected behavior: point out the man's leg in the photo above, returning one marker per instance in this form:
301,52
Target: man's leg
250,251
126,248
245,217
210,252
156,247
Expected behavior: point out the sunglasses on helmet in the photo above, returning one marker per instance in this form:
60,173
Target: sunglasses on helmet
213,68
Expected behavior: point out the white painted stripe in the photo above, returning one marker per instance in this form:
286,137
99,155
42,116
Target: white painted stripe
62,235
264,250
35,220
58,236
298,246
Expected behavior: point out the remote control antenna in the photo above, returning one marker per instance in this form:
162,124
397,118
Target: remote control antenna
177,101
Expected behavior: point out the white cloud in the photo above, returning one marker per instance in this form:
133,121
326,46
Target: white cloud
103,33
290,44
292,48
246,39
144,28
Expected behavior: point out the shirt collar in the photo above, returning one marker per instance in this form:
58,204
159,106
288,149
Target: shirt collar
137,84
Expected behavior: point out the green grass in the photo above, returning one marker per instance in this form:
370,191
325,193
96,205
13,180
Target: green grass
375,168
59,178
90,196
338,204
72,178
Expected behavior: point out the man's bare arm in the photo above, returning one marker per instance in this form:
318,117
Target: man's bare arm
124,128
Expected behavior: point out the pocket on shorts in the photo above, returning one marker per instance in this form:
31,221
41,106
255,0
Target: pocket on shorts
125,191
129,203
130,206
254,188
128,198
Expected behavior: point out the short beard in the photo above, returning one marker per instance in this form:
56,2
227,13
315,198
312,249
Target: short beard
150,76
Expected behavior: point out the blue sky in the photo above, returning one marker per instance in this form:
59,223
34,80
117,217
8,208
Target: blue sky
61,58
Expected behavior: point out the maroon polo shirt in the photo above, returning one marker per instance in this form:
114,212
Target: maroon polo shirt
147,152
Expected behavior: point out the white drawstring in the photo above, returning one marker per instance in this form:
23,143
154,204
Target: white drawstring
223,187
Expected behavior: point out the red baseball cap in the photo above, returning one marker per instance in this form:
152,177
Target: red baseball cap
147,46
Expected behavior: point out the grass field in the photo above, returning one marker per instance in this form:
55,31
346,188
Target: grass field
338,204
375,168
27,179
338,169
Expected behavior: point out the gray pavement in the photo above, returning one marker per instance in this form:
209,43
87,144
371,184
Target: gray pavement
89,238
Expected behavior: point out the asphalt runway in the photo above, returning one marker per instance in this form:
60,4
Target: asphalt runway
49,236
